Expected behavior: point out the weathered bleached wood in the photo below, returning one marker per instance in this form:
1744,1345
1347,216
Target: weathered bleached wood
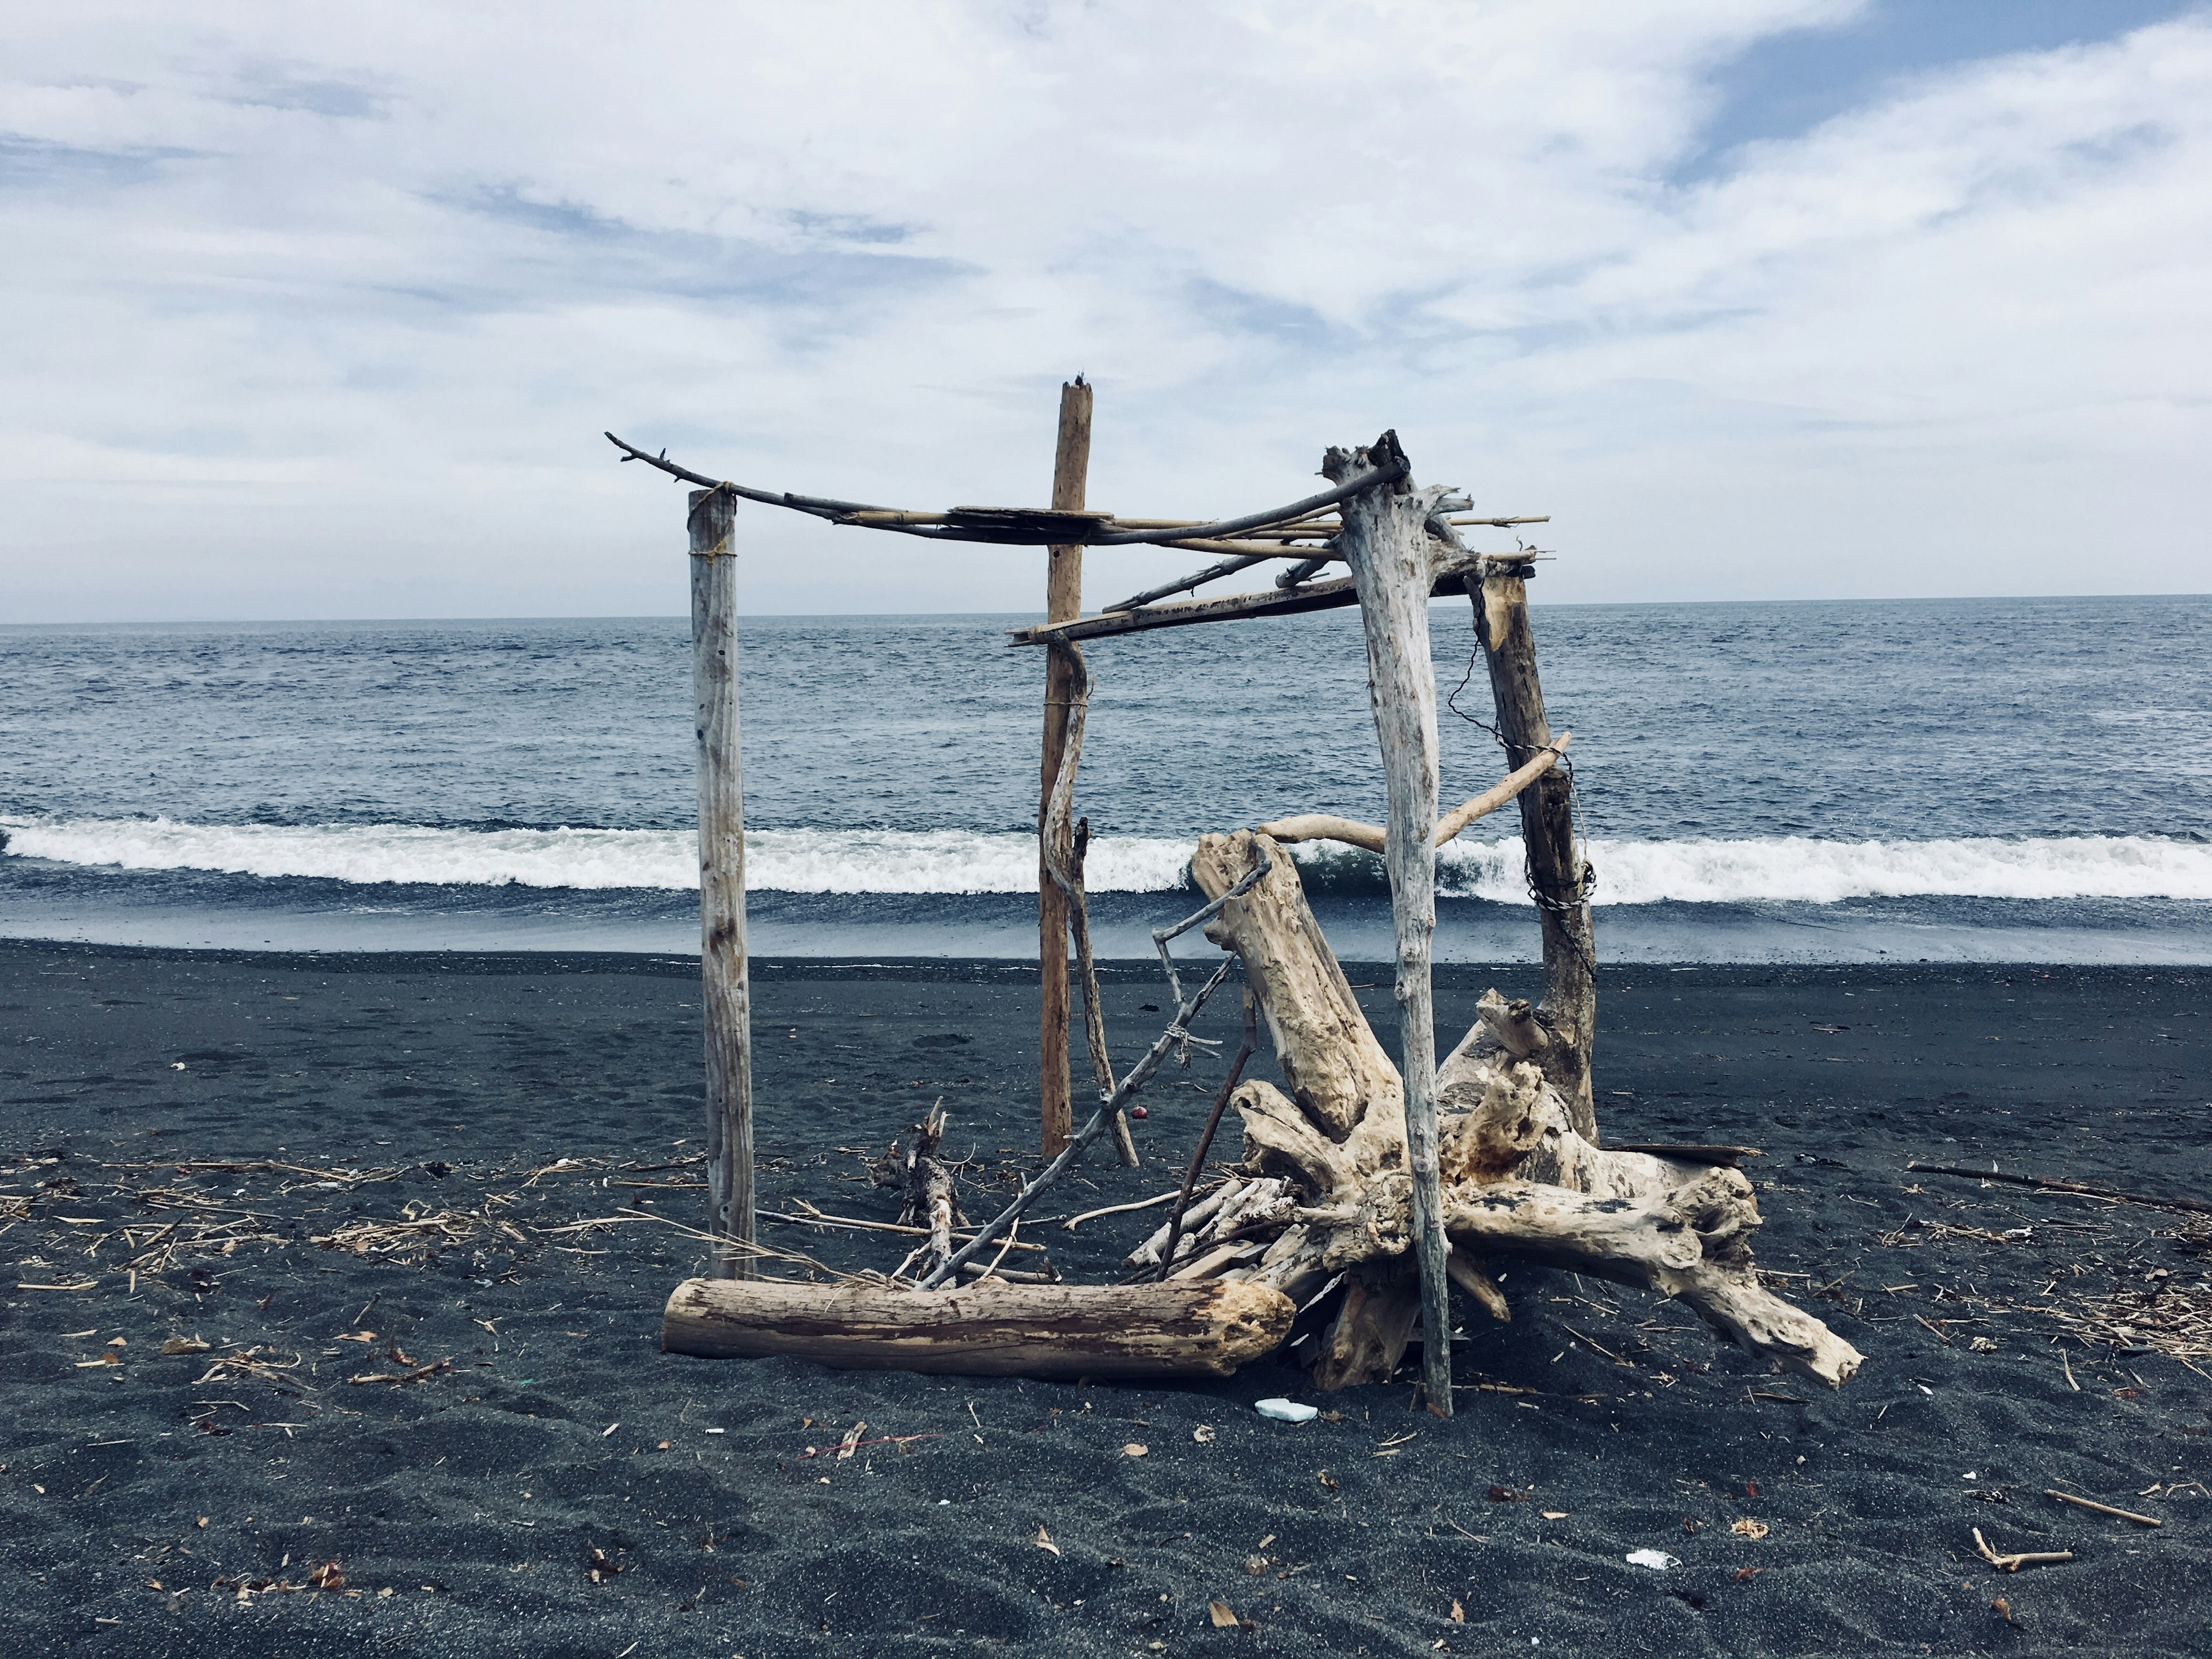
1063,603
1512,1024
931,1194
1375,1321
1322,826
1311,596
1479,1285
1386,542
1677,1245
1248,1043
1548,831
1182,1328
1506,1147
1336,1070
726,998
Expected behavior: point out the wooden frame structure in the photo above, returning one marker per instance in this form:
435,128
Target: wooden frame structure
1359,1155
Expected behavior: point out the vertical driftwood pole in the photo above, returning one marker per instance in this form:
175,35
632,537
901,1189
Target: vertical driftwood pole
1070,468
1547,830
725,999
1386,543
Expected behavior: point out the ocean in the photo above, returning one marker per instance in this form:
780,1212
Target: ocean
1994,780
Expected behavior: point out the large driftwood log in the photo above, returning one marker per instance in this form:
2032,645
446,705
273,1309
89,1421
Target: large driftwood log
1183,1328
1518,1178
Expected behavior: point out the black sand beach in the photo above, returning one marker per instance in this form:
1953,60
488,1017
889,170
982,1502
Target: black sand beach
188,1503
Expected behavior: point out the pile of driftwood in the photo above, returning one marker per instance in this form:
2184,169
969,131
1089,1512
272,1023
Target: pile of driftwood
1364,1191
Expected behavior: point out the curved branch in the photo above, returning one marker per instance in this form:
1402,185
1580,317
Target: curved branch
943,526
1322,826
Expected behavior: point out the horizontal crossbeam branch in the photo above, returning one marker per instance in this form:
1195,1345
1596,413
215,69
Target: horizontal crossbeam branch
1314,596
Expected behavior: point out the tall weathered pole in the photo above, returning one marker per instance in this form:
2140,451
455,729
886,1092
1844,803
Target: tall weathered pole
725,999
1071,469
1556,872
1386,542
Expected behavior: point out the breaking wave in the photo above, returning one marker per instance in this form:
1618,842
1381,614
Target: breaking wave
1798,869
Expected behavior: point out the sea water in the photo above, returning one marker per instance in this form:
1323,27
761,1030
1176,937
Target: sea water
2003,780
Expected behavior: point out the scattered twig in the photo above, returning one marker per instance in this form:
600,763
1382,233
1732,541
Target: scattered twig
2015,1562
2102,1509
1139,1075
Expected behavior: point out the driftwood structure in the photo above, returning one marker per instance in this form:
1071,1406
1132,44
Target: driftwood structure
1367,1190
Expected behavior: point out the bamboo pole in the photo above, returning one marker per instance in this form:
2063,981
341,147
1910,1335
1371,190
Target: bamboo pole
726,998
1548,831
1063,603
1386,543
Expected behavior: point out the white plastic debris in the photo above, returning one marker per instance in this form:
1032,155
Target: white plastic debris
1657,1560
1287,1411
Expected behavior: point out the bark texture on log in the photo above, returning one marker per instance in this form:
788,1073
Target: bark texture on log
1547,832
726,992
1182,1328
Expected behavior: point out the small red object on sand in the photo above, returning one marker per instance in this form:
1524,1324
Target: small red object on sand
1138,1112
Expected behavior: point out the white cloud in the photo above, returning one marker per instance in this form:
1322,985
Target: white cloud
314,311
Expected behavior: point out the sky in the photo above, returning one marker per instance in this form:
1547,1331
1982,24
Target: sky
320,311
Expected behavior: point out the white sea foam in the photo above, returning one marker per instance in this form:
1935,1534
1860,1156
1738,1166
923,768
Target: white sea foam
952,861
948,862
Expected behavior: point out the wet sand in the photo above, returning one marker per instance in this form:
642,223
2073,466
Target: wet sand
139,1498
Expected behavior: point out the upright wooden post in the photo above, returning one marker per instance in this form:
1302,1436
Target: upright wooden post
1386,543
1071,470
726,1000
1548,831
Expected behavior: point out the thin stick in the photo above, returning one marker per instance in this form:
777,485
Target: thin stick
1197,579
1004,1244
1167,1197
2049,1184
1139,1075
815,1218
1940,1334
1163,936
1244,1052
2102,1509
